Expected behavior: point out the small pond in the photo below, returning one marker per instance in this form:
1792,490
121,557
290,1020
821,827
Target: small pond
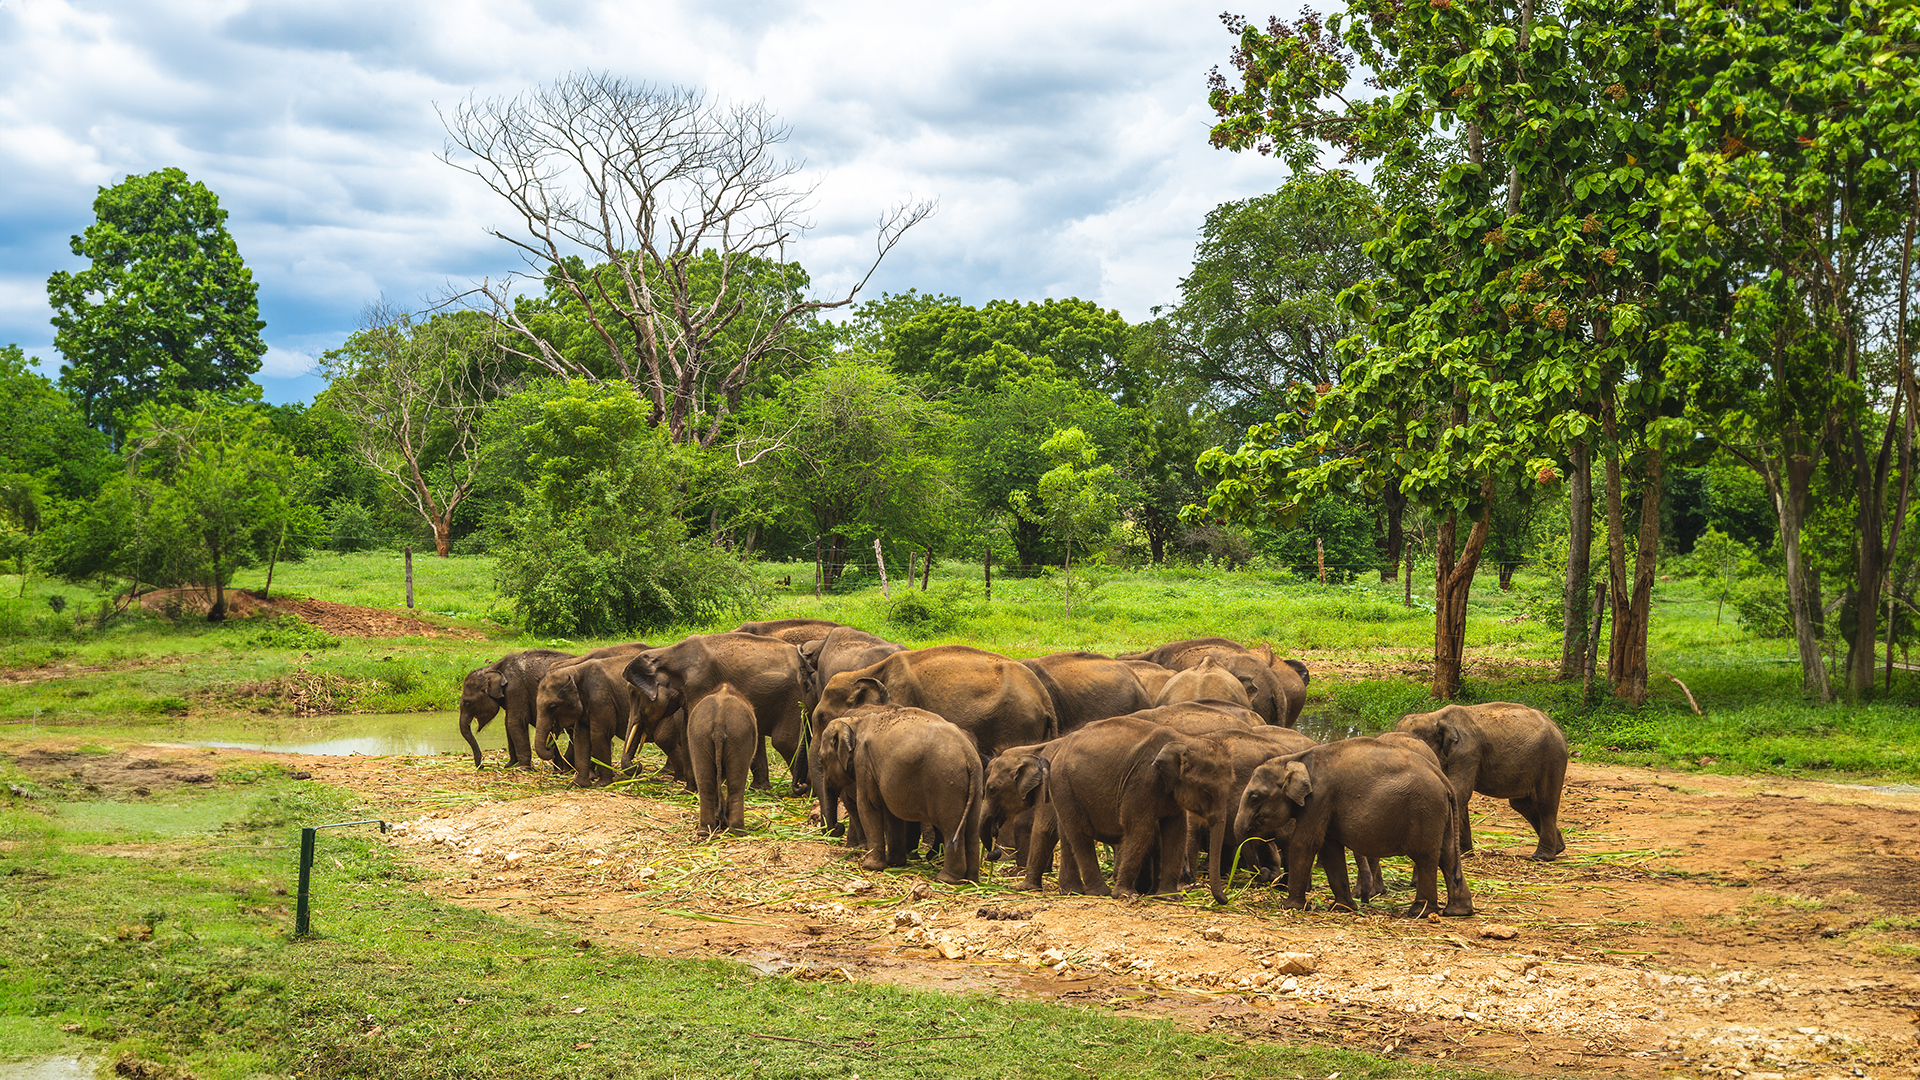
369,734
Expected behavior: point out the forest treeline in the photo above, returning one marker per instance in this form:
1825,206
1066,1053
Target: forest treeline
1650,306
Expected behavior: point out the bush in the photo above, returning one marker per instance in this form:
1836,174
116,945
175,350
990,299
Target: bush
350,526
924,614
1761,604
287,632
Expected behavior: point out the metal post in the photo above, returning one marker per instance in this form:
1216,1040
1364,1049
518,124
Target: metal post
301,923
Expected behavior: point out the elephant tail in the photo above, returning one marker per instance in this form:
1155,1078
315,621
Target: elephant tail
976,782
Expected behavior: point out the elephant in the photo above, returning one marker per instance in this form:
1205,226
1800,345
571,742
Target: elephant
1248,749
1367,871
1016,792
587,697
766,671
545,746
1087,686
721,740
1202,717
1151,675
1505,750
791,631
844,649
1276,689
1373,797
907,766
1208,680
485,693
1130,782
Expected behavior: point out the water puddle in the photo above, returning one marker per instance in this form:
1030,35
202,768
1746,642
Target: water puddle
56,1068
371,735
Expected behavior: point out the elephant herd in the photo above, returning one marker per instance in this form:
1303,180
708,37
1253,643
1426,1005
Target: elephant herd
1175,757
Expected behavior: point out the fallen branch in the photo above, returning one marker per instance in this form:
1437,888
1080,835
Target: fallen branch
1689,693
815,1042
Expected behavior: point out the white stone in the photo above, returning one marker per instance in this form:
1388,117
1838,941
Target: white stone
1296,963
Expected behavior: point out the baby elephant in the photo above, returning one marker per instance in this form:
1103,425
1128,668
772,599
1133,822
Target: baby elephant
906,766
722,738
1504,750
1374,797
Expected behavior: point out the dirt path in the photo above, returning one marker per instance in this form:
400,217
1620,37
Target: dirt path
1697,926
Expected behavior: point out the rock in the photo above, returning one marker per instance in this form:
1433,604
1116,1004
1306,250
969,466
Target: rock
951,950
1295,963
513,859
645,873
920,891
1052,957
303,776
857,885
908,918
1213,933
1499,932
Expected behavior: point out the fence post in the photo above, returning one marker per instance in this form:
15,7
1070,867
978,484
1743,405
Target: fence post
409,550
1320,550
989,565
301,923
885,592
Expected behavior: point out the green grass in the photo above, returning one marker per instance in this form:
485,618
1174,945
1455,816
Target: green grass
142,677
180,960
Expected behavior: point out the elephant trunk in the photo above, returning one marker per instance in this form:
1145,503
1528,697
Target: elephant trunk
1216,840
466,732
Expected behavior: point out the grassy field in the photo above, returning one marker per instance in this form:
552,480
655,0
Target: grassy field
143,677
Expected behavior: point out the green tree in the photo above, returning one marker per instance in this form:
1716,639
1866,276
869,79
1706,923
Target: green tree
166,310
415,392
1074,502
852,450
208,490
596,544
954,345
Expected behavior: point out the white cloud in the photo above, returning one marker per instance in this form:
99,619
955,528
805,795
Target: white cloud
1066,142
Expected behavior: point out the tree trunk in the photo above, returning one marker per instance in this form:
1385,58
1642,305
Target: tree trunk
1395,504
1632,598
1573,601
926,569
1157,545
218,612
443,535
1453,581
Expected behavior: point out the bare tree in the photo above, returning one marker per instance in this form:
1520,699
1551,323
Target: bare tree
648,208
415,391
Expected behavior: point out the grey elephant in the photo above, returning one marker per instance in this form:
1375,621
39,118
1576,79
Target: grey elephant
1505,750
1377,799
1087,686
791,631
587,698
1208,680
721,740
766,671
546,746
506,685
906,767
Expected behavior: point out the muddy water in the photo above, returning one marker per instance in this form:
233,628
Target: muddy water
372,735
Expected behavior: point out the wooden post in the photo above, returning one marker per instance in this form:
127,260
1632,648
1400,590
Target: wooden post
409,551
913,566
885,592
1320,550
926,575
1409,600
989,565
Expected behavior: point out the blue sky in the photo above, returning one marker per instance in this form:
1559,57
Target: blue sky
1065,142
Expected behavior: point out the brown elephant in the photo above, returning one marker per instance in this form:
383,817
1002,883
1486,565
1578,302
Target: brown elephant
1132,783
844,649
1366,871
546,747
1207,680
485,694
766,671
721,739
1505,750
1202,717
1276,689
791,631
586,697
1376,798
1247,750
1087,686
1017,812
906,767
1151,675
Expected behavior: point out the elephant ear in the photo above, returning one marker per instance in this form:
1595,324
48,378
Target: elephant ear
1450,736
1306,676
810,656
869,691
841,747
1171,761
1265,653
494,685
1033,773
1295,784
643,675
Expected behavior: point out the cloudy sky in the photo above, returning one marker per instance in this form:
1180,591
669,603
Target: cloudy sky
1064,141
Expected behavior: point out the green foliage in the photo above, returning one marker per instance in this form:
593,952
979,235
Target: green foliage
1258,311
1762,605
166,309
1342,525
952,345
288,632
925,614
350,527
597,547
1075,502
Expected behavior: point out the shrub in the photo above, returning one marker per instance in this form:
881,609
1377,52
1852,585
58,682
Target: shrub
1761,603
923,614
350,526
287,632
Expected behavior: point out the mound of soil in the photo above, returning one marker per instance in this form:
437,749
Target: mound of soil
340,620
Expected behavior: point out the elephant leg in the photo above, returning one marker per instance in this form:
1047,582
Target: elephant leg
519,744
737,804
1543,813
1333,861
581,749
876,829
1140,840
1426,894
1367,869
901,839
786,739
1076,840
1299,863
1459,898
1175,868
707,783
1463,800
760,781
1042,837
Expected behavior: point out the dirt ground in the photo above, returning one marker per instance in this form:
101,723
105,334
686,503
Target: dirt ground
340,620
1697,926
